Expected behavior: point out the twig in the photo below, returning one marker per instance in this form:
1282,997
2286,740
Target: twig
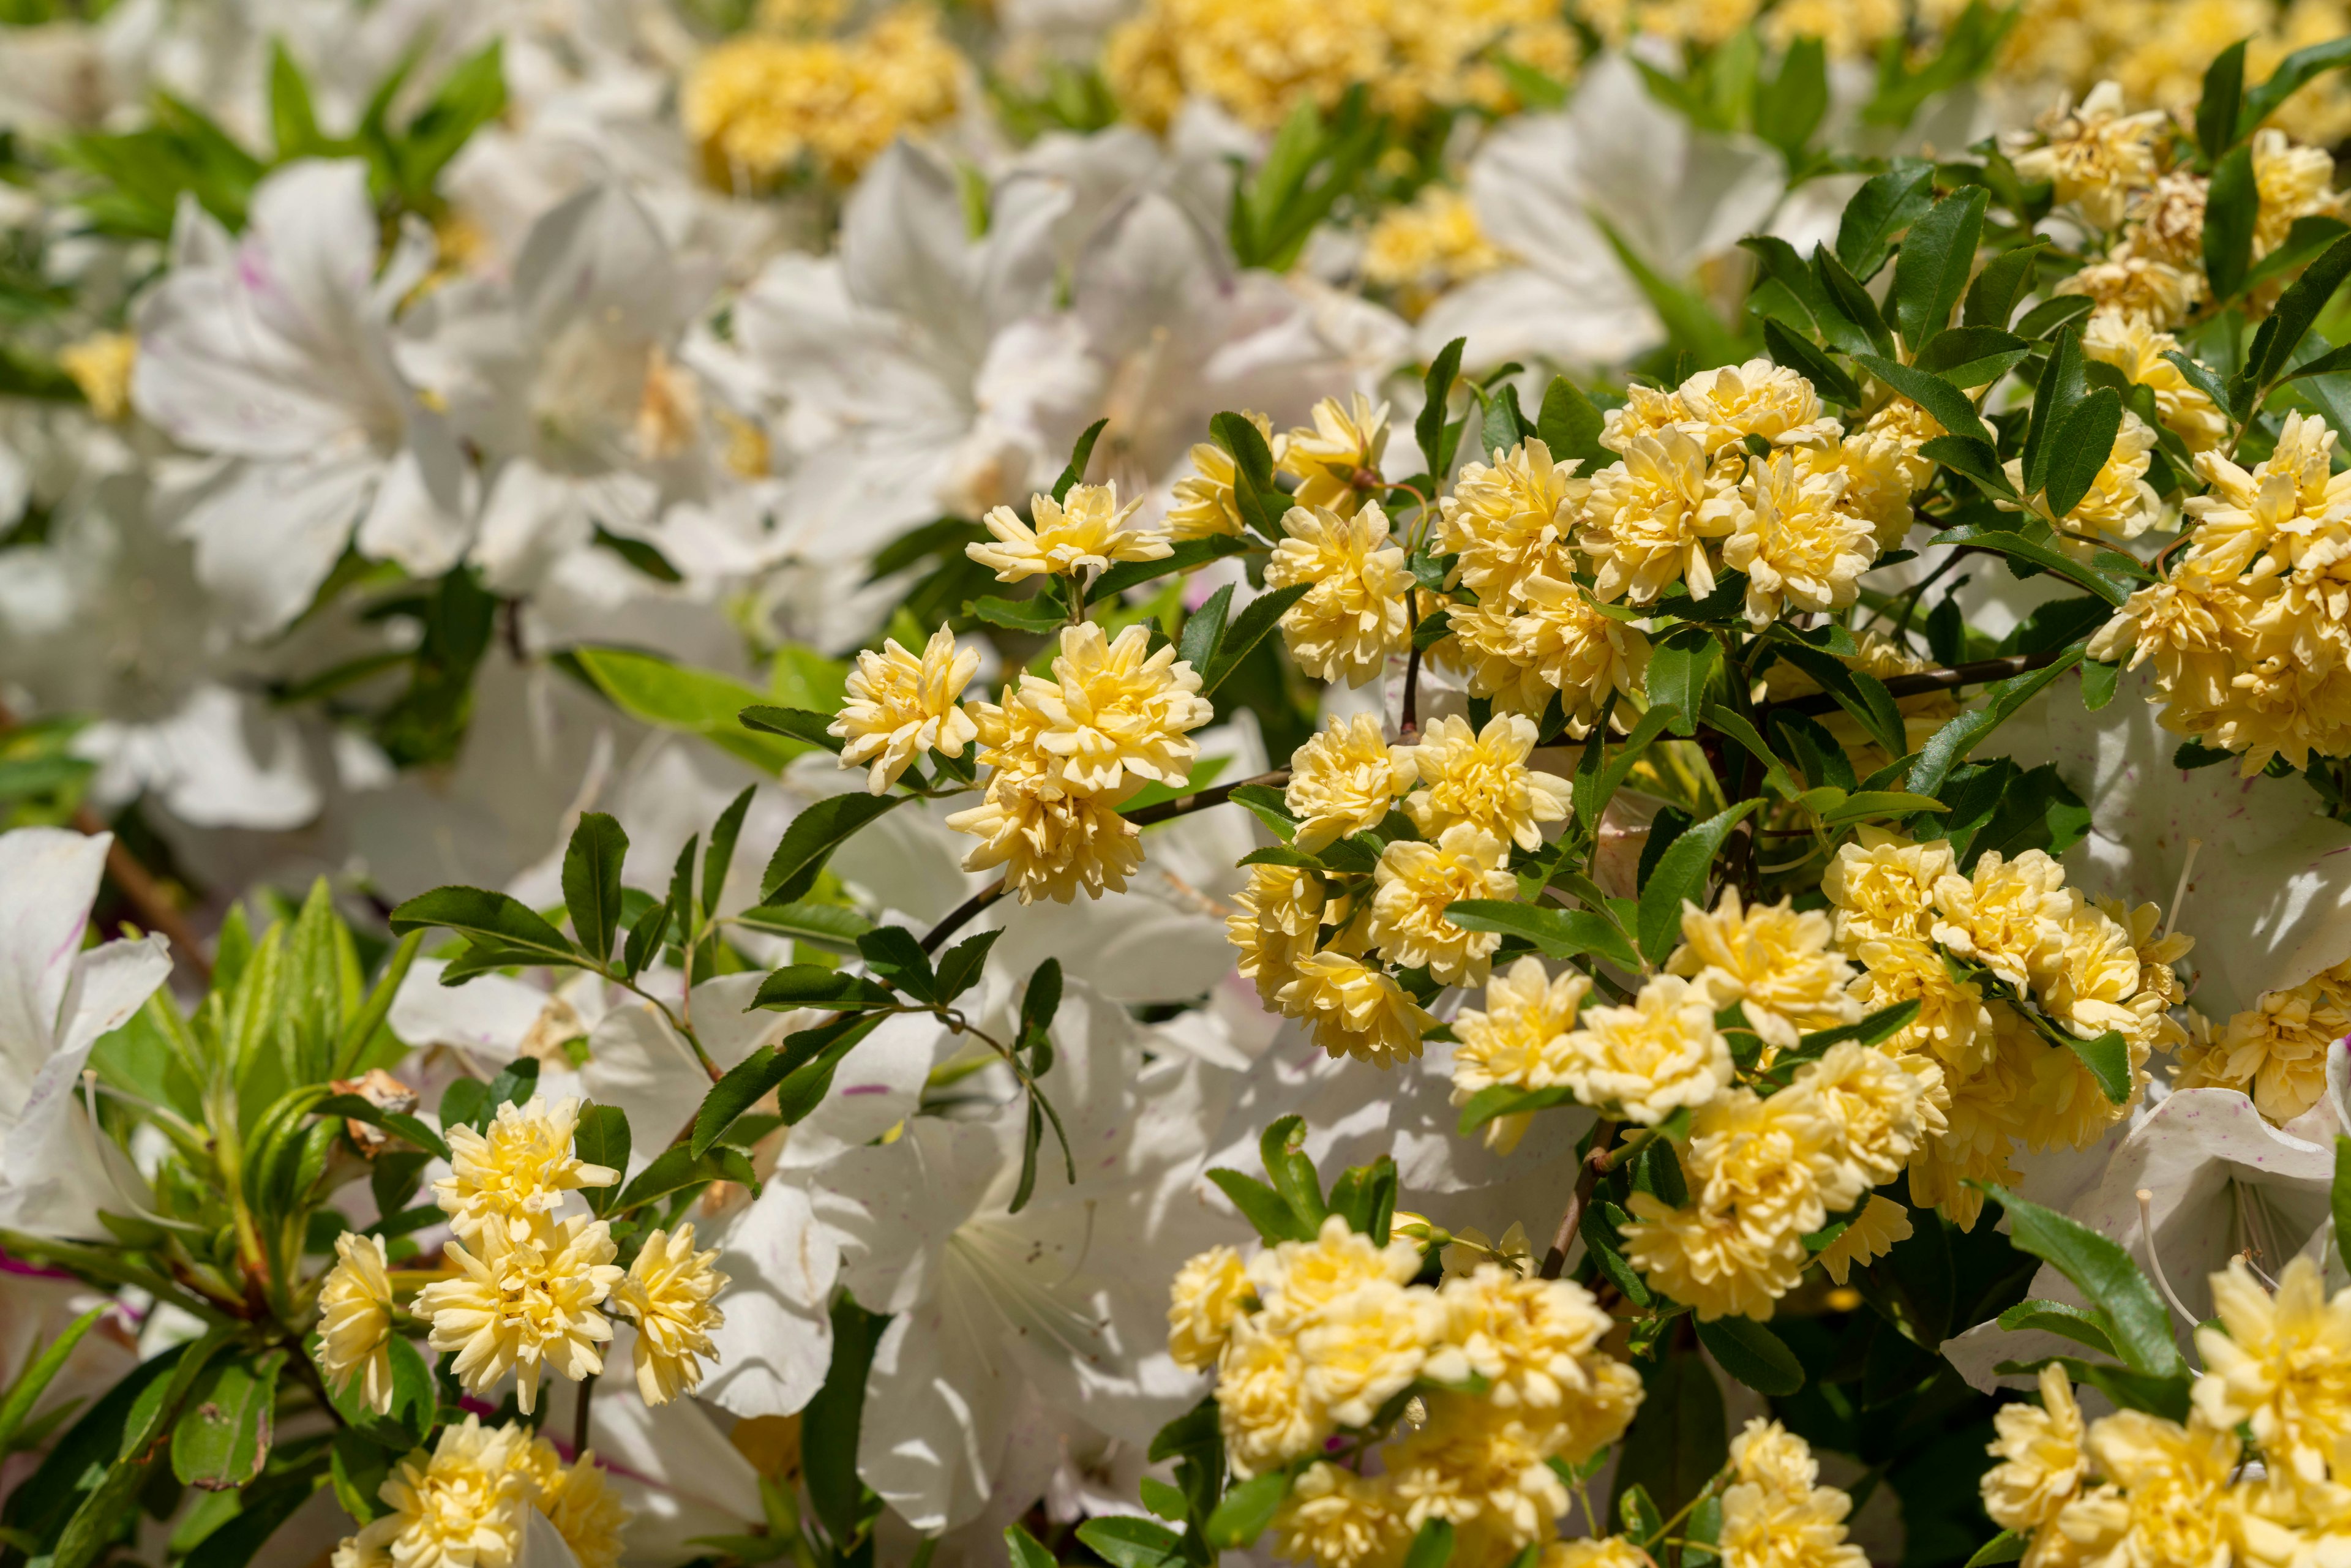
1555,1260
580,1416
1979,672
148,897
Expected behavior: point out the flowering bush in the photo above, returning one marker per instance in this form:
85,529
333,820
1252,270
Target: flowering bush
1106,783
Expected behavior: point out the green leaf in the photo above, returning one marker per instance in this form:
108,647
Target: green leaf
1858,692
2003,699
42,1370
468,98
2040,555
644,940
2218,105
2058,310
1570,425
1186,555
650,688
1885,204
1972,356
2008,1545
1268,806
1789,107
591,881
2292,72
834,927
1123,1541
838,1411
1753,1354
353,1108
1025,1549
742,1086
960,966
2232,208
1812,293
896,958
1246,1510
1082,453
1508,1099
1203,628
1937,259
1555,933
2103,1271
1681,665
602,1139
2005,282
1681,876
2106,1057
2340,1199
1938,396
486,917
2082,444
1281,1148
814,986
818,1054
1255,624
1678,1439
221,1441
1428,430
2089,1328
2297,310
1775,777
1263,1207
1690,323
293,123
803,724
1866,803
1797,354
809,841
1595,788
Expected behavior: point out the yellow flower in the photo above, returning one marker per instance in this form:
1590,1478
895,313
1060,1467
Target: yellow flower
2282,1367
1537,1344
1987,1113
2131,344
525,1306
1738,1246
1643,1062
2295,183
2088,973
1848,29
1114,709
900,707
1877,1109
1773,1515
1203,1305
1203,504
1648,518
1416,882
1295,1280
1883,884
2094,156
1646,411
355,1320
1516,1039
1512,520
759,106
2288,512
2166,221
1882,467
1796,541
1355,1010
1483,1469
101,366
1333,1518
513,1177
2275,1050
1354,616
668,1293
1050,842
1256,60
578,1500
2175,1502
1268,1416
1365,1346
1759,398
2042,1463
1871,1235
1479,777
2004,912
460,1508
1426,245
1337,460
1609,1551
1274,923
1085,532
1774,960
1341,782
1953,1024
1546,638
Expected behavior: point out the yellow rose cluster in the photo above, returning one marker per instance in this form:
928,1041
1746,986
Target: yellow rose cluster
1904,913
1302,933
1312,1338
2275,1050
529,1281
468,1500
2255,1474
2249,634
1261,59
763,108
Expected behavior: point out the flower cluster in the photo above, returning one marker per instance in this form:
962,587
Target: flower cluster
2275,1050
466,1502
765,107
1471,1391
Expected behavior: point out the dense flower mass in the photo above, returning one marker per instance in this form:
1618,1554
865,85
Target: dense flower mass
730,728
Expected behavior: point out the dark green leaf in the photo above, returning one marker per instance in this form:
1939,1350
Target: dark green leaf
222,1439
1937,259
1555,933
1753,1353
2002,284
896,958
809,841
1570,425
2232,208
1678,1441
838,1411
2005,1547
1681,665
1947,745
492,917
2296,312
2081,447
960,966
2218,105
1971,356
2103,1271
1681,876
2089,1328
832,926
1263,1207
1430,429
1124,1542
1197,645
798,723
1938,397
644,939
1799,355
2296,70
1885,204
1082,452
1432,1545
1246,1510
817,1052
814,986
591,881
43,1369
2040,555
1281,1147
602,1139
1027,1551
1254,624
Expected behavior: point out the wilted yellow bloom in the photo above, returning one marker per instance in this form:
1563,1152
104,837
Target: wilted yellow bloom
1883,884
1115,709
512,1178
1203,504
2275,1050
1085,532
1341,782
2003,912
1274,923
1268,1416
525,1306
1773,959
2138,286
2094,156
1870,1235
1337,460
759,106
1512,520
2282,1367
1051,843
901,707
1353,614
2042,1462
1355,1010
2132,345
101,366
668,1293
1481,777
1648,518
1643,1062
1728,403
1792,536
1774,1513
1333,1518
355,1320
460,1508
1414,883
1516,1039
1203,1305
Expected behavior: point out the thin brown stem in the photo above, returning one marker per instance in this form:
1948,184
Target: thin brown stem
1979,672
1555,1260
580,1416
156,911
